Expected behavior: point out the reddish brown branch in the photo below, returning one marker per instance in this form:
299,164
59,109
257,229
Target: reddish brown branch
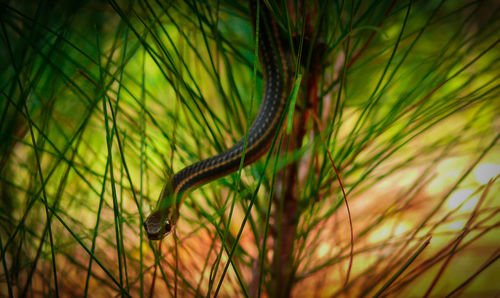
286,212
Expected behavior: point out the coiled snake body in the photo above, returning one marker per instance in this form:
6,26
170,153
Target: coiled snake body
276,70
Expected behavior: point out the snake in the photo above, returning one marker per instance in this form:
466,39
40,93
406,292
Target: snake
276,70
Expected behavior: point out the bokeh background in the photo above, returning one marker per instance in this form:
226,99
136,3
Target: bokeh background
102,101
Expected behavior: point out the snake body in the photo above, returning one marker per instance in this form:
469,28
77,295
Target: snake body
276,72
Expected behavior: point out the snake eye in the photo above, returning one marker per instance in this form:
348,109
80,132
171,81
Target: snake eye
168,226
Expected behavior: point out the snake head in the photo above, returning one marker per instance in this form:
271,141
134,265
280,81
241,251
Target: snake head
158,225
162,220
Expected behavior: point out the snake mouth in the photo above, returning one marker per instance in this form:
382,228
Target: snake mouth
157,236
